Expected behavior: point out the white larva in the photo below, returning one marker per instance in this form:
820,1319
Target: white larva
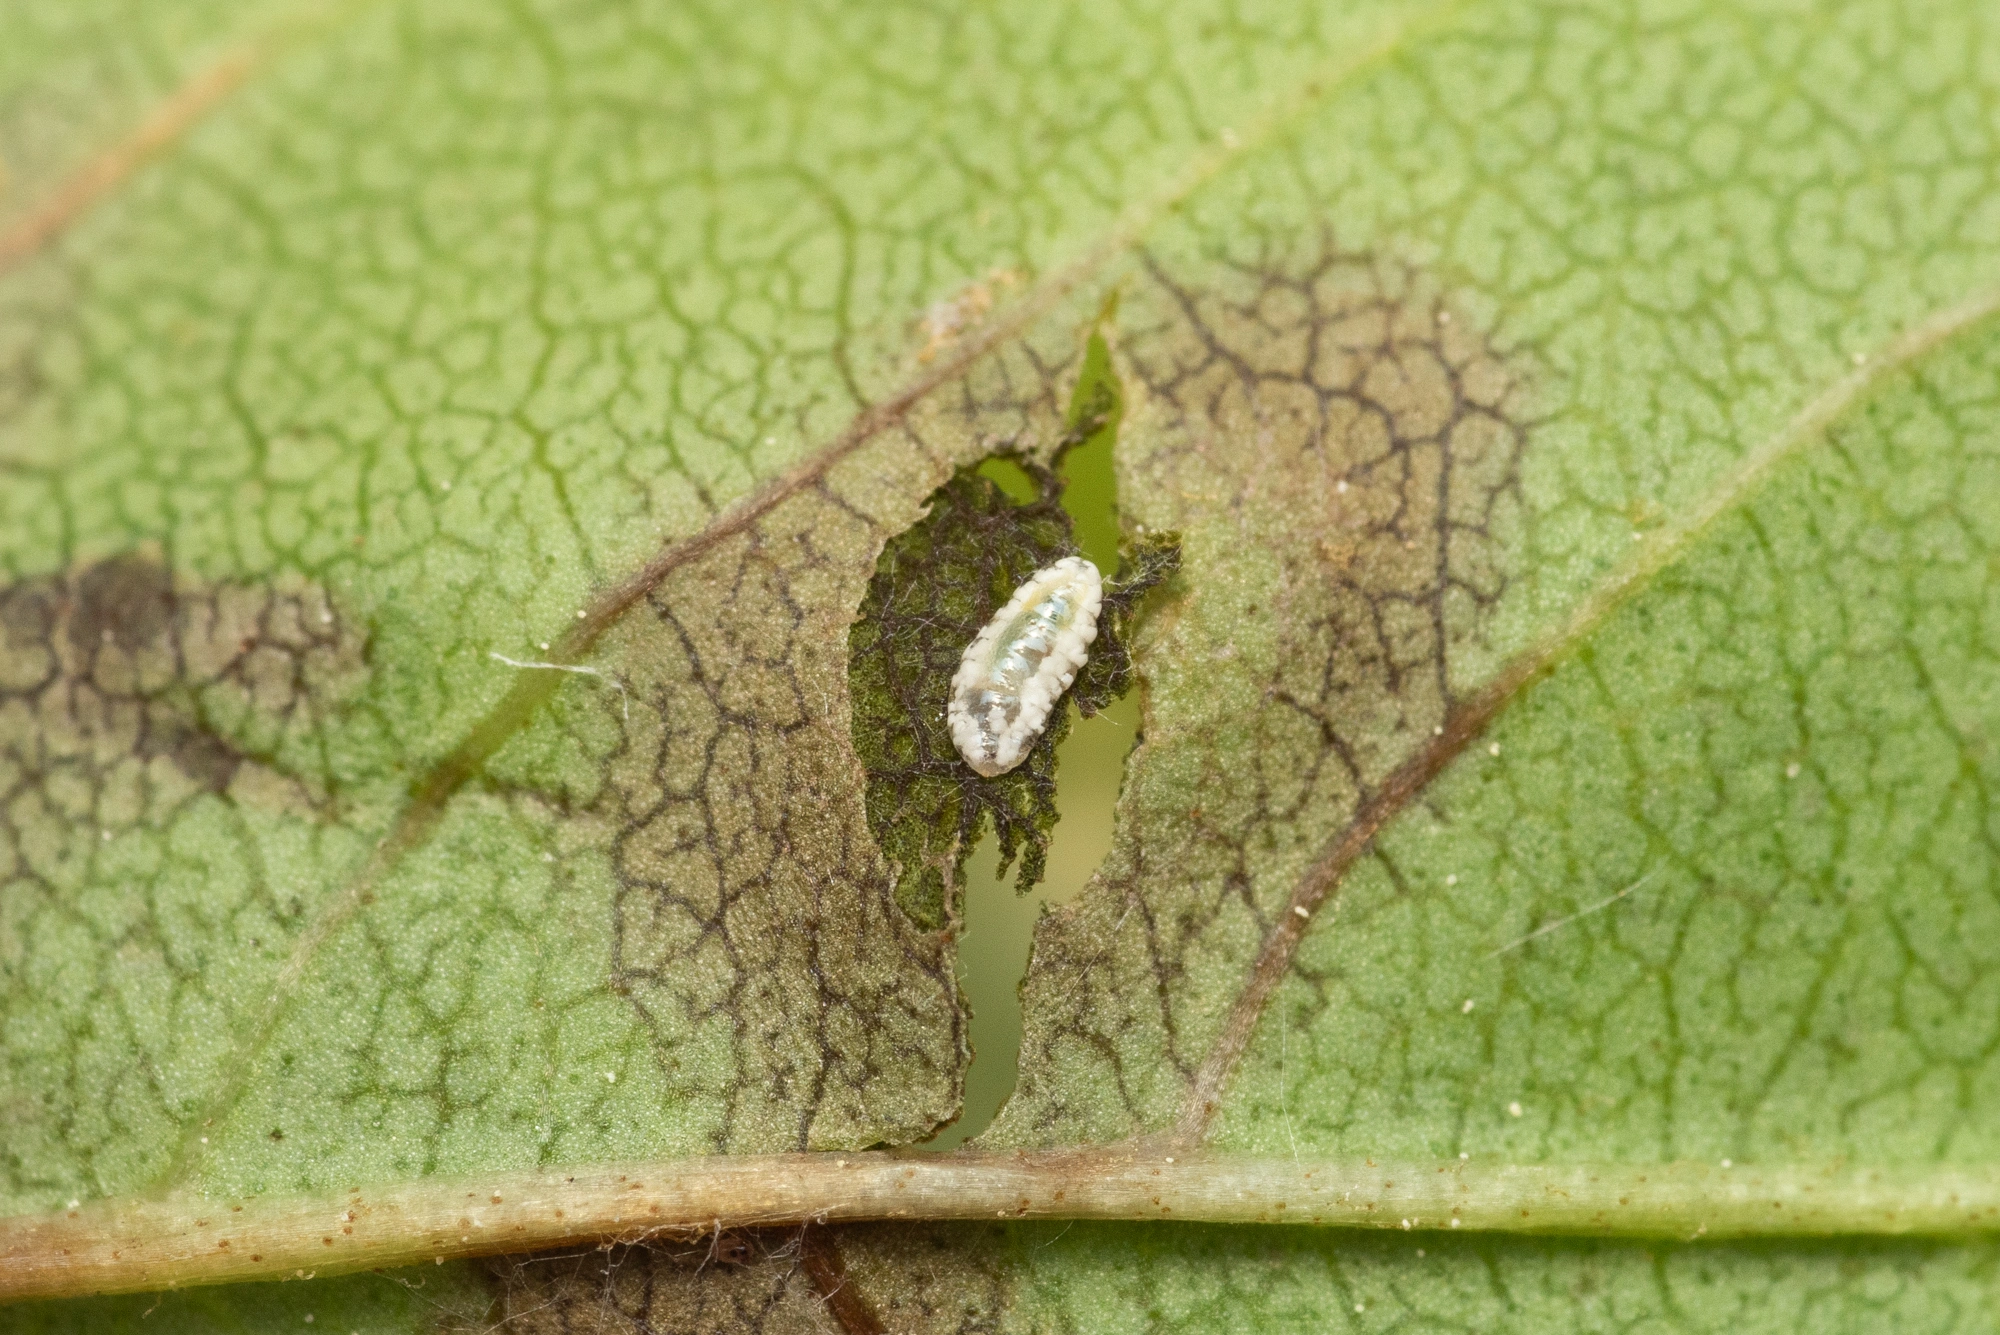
1016,669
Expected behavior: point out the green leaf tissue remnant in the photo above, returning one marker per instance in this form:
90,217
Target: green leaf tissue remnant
934,587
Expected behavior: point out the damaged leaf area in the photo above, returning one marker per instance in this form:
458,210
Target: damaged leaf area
1342,455
489,508
708,796
865,1280
935,586
166,802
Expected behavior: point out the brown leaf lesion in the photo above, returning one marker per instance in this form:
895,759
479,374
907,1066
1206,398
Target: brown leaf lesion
913,1279
1342,449
708,769
729,1282
120,682
136,706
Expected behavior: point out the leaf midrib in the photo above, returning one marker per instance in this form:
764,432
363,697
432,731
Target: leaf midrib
126,1246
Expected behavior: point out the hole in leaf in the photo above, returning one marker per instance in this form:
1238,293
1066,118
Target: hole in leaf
1015,482
988,529
998,930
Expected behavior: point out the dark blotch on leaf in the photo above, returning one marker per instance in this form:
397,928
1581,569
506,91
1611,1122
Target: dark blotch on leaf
934,587
204,757
127,600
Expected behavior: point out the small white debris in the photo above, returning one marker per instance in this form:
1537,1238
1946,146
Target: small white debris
1341,486
544,646
1493,750
1438,731
611,1077
1454,1223
326,618
1861,359
1792,770
1463,1156
204,1140
1514,1109
309,1315
1170,1158
1451,879
1301,910
74,1203
1727,1164
1466,1009
1360,1307
1444,317
579,614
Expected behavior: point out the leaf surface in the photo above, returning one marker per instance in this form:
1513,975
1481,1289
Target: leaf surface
1579,422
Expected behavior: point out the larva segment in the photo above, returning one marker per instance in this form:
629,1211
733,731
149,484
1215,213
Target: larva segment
1016,669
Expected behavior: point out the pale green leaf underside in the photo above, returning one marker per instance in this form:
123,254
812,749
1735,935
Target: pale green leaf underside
451,316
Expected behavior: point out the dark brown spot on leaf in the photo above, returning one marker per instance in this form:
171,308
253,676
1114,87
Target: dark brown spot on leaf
126,601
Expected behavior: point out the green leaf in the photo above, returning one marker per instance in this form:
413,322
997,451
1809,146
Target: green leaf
444,452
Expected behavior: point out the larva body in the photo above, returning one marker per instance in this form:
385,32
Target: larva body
1015,670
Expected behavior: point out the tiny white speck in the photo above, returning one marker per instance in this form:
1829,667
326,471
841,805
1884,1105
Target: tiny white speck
326,618
1727,1164
579,614
1341,486
1466,1009
1493,750
1444,317
1454,1223
770,440
1463,1155
545,646
445,485
548,857
204,1140
1360,1307
74,1203
1637,536
611,1077
106,834
1438,731
1792,770
1170,1158
1300,909
309,1318
1451,879
1513,1110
